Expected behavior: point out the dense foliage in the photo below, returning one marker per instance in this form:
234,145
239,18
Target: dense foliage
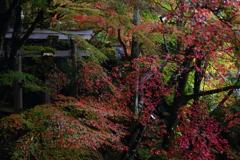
172,92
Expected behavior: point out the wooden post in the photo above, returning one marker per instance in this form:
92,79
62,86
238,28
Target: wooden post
74,86
18,103
47,98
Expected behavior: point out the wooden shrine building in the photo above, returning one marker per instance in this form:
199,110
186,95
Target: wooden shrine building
51,39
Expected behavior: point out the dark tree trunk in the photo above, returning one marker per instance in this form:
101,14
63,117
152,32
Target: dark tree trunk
180,98
135,45
7,17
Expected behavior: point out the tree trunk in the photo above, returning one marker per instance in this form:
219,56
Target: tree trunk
6,17
133,148
135,45
180,99
173,121
135,54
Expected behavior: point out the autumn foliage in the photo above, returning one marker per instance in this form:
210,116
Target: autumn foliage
79,127
172,94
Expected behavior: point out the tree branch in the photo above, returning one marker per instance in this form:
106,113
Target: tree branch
38,19
220,105
174,77
135,144
122,43
213,91
96,33
198,76
16,43
182,79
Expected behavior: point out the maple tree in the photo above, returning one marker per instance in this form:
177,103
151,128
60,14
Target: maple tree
173,95
184,33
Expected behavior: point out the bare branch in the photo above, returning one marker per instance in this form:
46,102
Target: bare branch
96,33
38,19
220,105
213,91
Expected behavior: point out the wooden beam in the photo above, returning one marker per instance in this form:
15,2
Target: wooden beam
43,34
68,53
79,32
65,53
